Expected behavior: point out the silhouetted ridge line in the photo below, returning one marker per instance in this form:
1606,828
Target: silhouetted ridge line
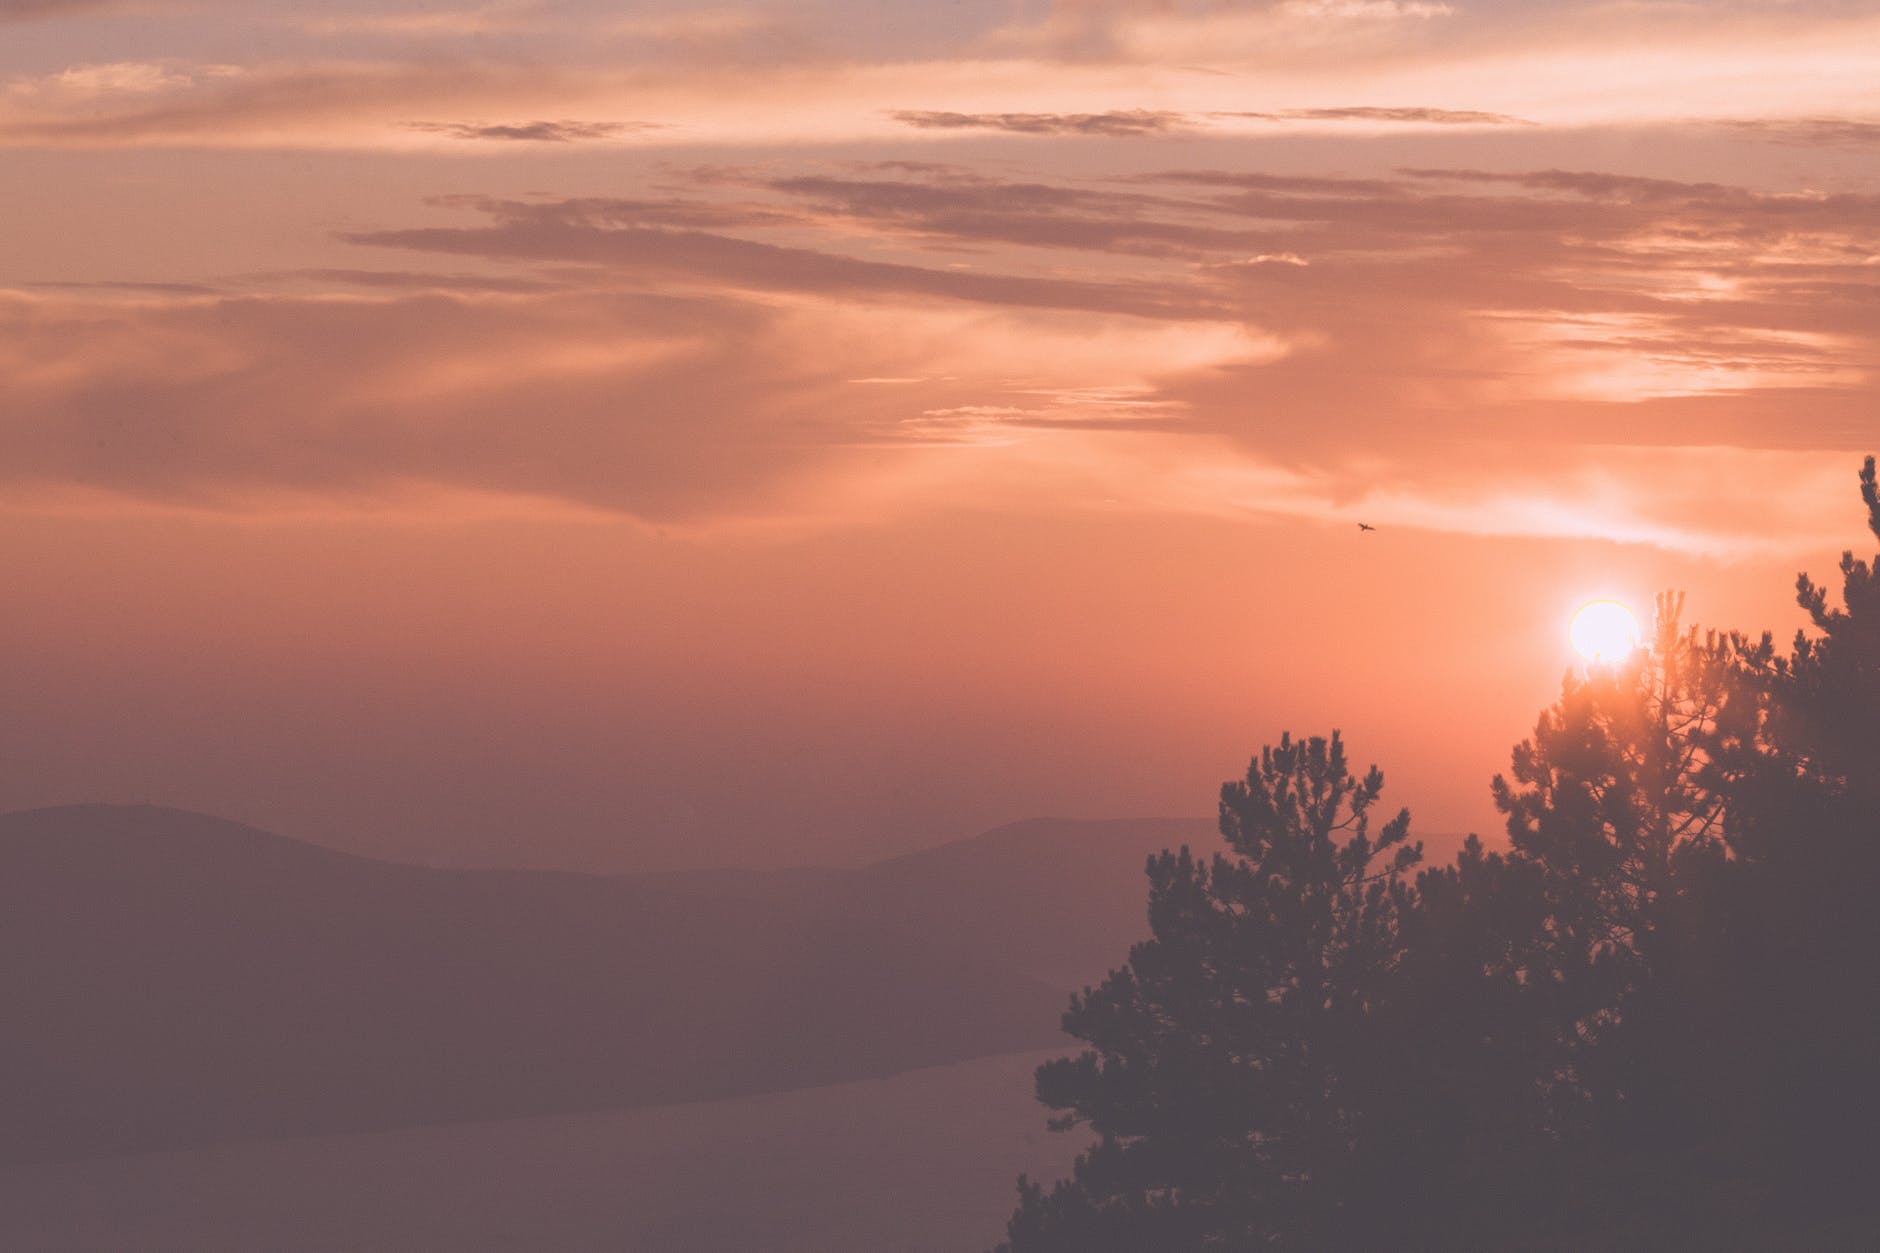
174,979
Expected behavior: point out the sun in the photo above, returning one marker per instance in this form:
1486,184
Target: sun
1604,630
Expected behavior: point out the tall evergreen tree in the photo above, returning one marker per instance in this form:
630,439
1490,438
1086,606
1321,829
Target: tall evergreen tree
1828,714
1228,1059
1614,804
1804,928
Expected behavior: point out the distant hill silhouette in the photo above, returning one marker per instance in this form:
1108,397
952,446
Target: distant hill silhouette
172,979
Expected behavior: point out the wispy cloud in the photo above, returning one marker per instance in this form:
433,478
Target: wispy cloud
1141,30
1217,309
503,17
410,281
130,286
163,102
590,232
28,10
532,132
1407,115
1123,123
1130,123
1291,68
1812,132
655,406
977,210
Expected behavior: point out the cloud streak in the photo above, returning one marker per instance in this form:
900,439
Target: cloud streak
653,406
1105,71
1117,123
586,233
1808,132
1143,123
1407,115
532,132
30,10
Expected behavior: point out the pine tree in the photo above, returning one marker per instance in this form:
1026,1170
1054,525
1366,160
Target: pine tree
1829,705
1804,928
1229,1058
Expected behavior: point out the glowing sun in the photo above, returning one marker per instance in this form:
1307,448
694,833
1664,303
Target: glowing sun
1604,630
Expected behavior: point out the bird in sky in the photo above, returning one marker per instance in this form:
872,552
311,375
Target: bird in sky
1366,526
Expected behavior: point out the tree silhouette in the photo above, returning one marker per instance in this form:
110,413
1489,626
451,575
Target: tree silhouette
1650,1023
1622,809
1800,899
1829,691
1225,1072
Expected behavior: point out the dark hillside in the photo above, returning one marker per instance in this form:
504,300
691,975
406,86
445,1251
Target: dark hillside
172,979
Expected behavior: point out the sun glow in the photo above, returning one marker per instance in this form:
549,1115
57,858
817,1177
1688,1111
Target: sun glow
1603,631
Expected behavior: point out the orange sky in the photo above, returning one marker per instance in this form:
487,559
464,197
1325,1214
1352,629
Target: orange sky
651,435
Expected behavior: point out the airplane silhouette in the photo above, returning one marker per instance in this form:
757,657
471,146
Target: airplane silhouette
1366,526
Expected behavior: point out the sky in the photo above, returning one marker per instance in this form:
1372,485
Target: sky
635,436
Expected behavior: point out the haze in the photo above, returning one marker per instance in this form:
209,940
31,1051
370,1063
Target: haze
631,436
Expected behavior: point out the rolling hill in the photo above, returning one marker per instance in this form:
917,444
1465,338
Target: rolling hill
175,980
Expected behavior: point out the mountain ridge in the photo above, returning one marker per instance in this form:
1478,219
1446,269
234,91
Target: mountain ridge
177,979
